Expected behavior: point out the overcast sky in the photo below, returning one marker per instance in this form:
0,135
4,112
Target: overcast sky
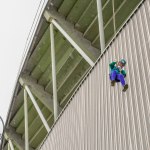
16,18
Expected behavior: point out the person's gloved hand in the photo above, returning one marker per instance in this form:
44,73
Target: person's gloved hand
119,67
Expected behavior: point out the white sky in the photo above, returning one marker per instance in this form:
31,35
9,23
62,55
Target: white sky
16,17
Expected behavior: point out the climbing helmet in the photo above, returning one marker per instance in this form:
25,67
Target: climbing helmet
123,61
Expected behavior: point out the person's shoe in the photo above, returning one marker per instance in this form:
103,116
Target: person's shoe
113,83
125,88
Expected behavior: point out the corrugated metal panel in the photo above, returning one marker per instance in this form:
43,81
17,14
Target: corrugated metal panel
101,117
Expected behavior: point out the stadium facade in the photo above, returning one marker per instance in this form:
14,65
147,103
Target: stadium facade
63,99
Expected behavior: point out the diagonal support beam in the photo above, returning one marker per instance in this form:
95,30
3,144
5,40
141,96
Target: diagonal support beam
11,134
11,145
73,43
75,35
37,108
38,91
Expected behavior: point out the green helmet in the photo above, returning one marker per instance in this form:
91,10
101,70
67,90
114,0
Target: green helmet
123,61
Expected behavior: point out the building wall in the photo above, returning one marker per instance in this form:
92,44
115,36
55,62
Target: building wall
101,117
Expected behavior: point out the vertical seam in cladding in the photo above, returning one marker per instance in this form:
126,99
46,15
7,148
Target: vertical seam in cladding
105,100
133,68
129,55
106,85
121,102
118,106
128,132
141,71
145,87
113,104
137,74
110,118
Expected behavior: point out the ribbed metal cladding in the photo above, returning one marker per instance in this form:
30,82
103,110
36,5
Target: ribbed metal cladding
101,117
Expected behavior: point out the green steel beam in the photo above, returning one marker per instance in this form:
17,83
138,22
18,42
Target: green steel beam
38,91
10,133
42,64
46,77
39,51
65,70
77,37
73,77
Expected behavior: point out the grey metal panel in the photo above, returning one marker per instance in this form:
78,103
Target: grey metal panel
101,117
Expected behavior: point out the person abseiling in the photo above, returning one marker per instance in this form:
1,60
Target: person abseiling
118,74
